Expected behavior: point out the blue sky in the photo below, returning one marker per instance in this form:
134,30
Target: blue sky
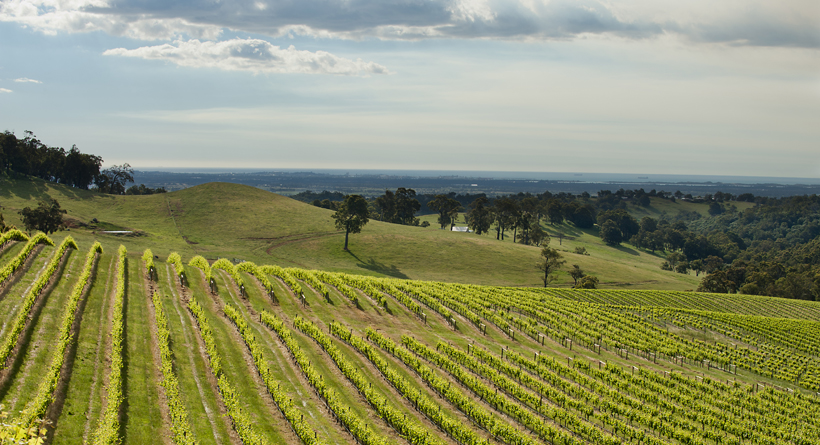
696,87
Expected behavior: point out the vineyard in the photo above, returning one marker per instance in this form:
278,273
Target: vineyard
102,345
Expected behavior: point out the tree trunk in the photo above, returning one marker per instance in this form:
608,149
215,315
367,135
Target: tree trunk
546,275
346,233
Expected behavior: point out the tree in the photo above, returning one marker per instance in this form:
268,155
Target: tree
648,224
47,217
352,215
555,212
610,233
386,205
8,146
538,236
576,273
675,258
406,207
623,221
697,266
80,169
447,209
549,263
716,282
716,208
399,207
584,217
503,214
112,180
644,201
587,282
479,218
143,190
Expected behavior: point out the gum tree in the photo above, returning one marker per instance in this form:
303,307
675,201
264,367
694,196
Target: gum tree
352,215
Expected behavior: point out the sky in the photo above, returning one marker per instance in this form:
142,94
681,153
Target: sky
717,87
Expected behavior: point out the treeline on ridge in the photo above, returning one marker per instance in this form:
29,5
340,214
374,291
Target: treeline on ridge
29,156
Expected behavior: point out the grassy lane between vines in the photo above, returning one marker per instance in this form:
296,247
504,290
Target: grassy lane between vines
9,251
12,293
81,407
10,248
142,419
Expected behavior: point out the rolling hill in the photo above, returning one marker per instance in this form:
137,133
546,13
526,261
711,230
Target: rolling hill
240,222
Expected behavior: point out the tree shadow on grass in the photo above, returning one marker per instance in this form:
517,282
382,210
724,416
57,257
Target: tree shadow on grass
30,188
381,268
627,250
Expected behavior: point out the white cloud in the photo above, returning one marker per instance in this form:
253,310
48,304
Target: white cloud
254,55
3,90
26,80
736,22
53,16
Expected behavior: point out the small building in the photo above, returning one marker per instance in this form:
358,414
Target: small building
460,229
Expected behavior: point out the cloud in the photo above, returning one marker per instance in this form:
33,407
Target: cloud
3,90
254,55
736,22
74,16
26,80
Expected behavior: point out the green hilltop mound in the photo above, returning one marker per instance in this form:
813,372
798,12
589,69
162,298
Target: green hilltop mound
245,223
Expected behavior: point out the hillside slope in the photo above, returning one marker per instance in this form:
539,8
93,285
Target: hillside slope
242,222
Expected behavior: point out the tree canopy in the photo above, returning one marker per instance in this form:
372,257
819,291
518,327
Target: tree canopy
479,218
447,209
399,207
47,217
29,156
549,263
352,215
113,179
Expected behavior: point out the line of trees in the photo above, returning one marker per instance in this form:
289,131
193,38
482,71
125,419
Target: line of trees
31,157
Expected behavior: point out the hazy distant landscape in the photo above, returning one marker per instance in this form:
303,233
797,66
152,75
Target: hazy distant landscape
374,182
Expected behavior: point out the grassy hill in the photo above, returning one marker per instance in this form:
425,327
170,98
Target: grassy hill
242,222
